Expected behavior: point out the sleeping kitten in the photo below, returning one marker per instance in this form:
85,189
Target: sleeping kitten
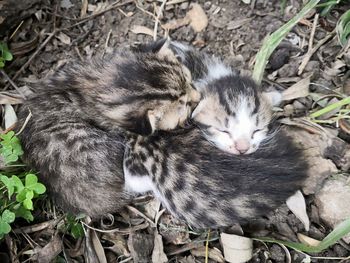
234,114
207,187
73,139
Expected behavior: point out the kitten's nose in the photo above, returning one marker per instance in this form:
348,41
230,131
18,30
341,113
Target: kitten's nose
242,146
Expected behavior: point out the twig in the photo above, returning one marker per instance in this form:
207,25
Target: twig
111,6
309,54
25,65
124,231
106,43
37,227
14,32
12,83
134,210
160,12
25,123
207,248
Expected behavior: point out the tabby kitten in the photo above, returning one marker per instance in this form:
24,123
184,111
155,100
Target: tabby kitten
74,137
207,187
234,113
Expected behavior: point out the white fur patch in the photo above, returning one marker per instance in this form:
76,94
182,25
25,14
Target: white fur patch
217,70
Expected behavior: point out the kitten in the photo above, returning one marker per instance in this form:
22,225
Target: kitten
75,137
206,187
234,114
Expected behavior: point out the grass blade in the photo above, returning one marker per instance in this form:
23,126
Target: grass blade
331,107
271,42
339,232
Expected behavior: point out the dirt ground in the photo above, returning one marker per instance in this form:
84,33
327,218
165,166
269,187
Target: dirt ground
55,32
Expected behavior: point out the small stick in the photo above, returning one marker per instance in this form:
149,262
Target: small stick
12,83
309,54
160,11
134,210
25,65
37,227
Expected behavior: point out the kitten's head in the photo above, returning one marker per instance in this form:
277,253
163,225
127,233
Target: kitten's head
234,115
170,97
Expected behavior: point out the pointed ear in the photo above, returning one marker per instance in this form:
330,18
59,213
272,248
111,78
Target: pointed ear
195,95
198,109
273,97
166,52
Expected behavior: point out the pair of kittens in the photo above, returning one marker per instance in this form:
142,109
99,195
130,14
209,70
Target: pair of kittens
101,132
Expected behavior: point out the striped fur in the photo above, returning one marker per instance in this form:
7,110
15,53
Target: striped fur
74,139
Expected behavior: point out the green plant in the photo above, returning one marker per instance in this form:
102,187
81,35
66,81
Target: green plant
339,232
17,191
11,148
272,41
5,54
328,5
73,226
343,28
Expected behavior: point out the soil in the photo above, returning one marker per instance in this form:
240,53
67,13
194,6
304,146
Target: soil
55,32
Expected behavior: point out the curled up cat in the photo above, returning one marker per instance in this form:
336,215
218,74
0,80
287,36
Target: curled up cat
75,136
201,175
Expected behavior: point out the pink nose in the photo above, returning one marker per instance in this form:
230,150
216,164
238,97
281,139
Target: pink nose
242,146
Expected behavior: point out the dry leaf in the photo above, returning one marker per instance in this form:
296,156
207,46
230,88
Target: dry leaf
10,116
50,251
198,18
151,208
119,243
308,240
141,30
64,38
98,247
246,1
237,249
66,4
213,253
158,255
296,204
140,246
298,90
175,24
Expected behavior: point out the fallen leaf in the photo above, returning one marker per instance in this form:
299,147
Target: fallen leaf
119,243
296,204
64,38
175,24
198,18
98,247
50,251
158,255
10,116
140,246
66,4
172,231
308,240
246,1
213,253
298,90
142,30
151,208
237,249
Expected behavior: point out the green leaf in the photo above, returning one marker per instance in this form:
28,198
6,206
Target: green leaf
271,42
2,64
5,228
8,216
77,230
24,213
343,28
29,194
339,232
30,180
7,136
22,195
28,204
9,185
17,183
39,188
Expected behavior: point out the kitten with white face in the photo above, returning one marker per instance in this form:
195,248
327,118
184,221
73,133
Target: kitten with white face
233,114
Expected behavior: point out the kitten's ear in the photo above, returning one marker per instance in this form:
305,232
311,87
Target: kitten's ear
198,109
273,97
195,95
144,125
166,52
